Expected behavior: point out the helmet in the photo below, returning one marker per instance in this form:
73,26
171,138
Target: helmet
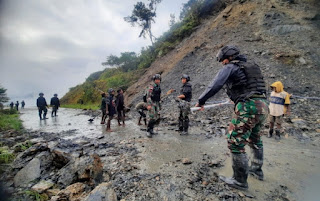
110,90
187,77
55,94
227,51
156,76
41,94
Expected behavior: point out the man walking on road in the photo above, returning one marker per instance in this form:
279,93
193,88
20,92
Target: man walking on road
55,103
42,106
246,88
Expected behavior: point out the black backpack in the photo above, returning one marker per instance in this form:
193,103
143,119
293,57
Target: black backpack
144,97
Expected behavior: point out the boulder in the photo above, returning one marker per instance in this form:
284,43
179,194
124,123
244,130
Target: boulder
103,192
86,168
27,174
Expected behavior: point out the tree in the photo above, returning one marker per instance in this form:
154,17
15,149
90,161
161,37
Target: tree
172,20
143,15
127,61
3,96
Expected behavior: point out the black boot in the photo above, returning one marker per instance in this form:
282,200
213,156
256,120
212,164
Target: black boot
270,133
240,172
180,128
150,128
277,135
185,127
256,164
52,114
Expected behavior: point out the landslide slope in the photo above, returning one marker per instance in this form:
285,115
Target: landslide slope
281,36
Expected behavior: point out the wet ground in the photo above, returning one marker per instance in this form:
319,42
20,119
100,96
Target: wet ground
291,167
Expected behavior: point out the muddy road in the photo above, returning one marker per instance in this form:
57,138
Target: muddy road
165,167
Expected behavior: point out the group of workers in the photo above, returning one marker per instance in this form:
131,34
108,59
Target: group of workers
246,88
111,105
17,105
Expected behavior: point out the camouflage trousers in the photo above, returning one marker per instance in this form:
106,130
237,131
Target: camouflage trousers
184,107
245,127
154,112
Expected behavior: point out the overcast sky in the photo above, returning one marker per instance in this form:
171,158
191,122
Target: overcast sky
51,45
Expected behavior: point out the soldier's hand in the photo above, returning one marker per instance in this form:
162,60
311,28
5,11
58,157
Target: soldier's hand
149,107
201,106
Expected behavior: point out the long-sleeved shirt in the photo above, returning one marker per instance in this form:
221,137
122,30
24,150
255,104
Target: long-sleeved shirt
120,102
41,102
55,101
186,90
225,76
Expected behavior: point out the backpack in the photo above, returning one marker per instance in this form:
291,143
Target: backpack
144,98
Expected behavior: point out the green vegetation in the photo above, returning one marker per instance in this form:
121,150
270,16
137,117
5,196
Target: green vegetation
23,146
5,155
9,120
123,71
3,97
37,196
79,106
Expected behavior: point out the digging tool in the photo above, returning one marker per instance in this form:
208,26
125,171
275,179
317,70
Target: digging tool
228,102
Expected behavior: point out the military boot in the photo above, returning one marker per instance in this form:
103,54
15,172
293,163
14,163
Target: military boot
185,127
278,137
180,128
256,164
150,128
270,133
240,172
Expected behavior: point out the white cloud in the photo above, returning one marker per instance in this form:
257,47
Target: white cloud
51,46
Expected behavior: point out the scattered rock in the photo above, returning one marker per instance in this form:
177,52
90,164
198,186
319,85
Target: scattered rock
103,192
186,161
27,174
42,186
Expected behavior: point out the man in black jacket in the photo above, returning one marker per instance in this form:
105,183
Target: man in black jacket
120,107
55,104
110,108
42,106
184,104
246,88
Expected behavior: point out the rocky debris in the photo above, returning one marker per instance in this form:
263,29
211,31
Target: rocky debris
42,186
300,123
280,193
103,192
186,161
85,168
27,174
74,192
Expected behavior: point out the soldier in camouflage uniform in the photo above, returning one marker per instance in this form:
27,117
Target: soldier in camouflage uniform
141,107
246,88
184,104
153,96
